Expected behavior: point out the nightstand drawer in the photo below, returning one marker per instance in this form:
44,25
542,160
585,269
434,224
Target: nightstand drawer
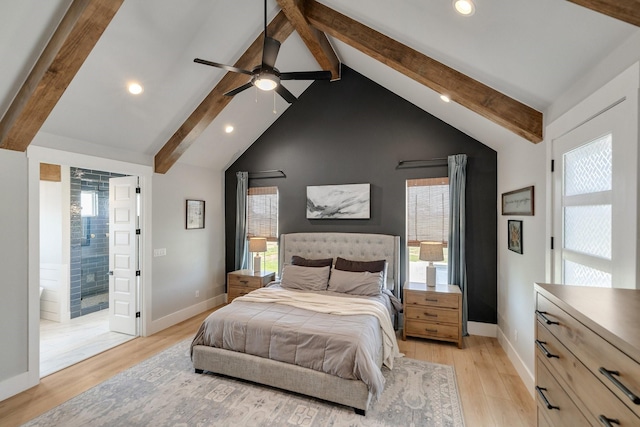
244,281
431,330
432,314
431,299
235,293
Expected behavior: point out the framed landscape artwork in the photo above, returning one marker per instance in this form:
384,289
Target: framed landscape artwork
348,201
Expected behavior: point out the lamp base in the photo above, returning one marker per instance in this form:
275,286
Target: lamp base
256,264
431,275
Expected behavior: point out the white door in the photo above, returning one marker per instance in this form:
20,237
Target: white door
123,254
589,194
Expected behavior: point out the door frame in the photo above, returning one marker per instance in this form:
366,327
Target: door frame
37,155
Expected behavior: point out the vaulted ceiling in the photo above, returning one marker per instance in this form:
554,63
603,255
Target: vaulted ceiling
66,65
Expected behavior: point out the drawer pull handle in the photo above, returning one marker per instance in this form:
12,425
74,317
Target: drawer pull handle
544,398
545,351
244,281
431,300
610,376
609,422
430,315
545,318
433,331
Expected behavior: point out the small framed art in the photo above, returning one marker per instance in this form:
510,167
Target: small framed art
514,233
518,202
195,214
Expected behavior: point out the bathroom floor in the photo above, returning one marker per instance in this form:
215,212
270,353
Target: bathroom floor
64,344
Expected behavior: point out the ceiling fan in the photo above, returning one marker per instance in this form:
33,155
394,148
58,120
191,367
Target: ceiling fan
266,76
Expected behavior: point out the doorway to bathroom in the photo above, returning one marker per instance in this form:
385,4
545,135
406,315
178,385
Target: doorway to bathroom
88,304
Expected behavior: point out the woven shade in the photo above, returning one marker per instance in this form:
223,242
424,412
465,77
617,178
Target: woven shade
431,251
427,210
257,244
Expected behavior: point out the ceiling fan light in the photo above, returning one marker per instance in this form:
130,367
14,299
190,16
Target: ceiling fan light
265,82
464,7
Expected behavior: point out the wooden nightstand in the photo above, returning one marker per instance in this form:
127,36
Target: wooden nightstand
434,313
241,282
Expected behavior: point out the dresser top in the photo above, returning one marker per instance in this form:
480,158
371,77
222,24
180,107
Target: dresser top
612,313
421,286
249,272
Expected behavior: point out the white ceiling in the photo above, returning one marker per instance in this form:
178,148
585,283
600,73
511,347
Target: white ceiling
532,51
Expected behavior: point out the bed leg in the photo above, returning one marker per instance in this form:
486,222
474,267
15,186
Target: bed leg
359,411
199,371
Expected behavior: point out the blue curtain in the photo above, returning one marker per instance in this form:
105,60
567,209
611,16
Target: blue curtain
242,250
457,263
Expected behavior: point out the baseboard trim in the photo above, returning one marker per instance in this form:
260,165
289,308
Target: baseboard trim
524,373
14,385
482,329
184,314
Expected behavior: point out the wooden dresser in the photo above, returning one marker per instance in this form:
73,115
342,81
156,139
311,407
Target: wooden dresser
241,282
433,312
587,356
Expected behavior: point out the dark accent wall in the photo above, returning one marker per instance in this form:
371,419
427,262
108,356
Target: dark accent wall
356,131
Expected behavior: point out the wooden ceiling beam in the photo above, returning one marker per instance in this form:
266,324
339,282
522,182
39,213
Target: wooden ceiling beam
478,97
280,28
624,10
316,41
74,38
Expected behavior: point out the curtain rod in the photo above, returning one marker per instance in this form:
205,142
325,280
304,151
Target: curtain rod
273,173
409,164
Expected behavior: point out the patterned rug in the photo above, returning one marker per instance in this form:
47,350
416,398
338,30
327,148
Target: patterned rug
165,391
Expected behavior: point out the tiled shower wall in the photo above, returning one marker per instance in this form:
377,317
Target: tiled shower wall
89,243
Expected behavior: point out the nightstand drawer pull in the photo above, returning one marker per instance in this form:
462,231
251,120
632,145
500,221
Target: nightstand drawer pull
544,398
546,320
430,314
609,422
544,350
610,376
433,331
244,281
431,300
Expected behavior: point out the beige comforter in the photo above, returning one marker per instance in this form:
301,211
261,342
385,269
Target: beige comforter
332,334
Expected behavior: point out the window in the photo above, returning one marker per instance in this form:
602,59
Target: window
88,203
427,221
262,221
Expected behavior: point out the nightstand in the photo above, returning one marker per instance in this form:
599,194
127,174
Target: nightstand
433,312
241,282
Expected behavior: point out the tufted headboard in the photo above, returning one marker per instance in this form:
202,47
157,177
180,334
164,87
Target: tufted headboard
353,246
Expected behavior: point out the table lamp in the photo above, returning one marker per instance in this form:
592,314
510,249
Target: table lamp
431,251
257,245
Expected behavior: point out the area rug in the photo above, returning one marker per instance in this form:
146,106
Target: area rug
165,391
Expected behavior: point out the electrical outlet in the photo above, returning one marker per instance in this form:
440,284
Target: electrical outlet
515,335
197,294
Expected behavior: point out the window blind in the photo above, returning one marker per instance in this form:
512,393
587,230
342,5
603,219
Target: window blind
427,210
262,212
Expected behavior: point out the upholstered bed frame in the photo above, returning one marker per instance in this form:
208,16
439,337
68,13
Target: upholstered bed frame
353,393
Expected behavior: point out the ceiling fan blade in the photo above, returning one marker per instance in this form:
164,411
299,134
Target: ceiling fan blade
270,52
239,89
223,66
306,75
284,93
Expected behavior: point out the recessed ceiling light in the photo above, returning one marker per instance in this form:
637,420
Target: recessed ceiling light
445,98
228,129
135,88
464,7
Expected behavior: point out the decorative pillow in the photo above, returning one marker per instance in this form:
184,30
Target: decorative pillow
356,283
370,266
305,278
304,262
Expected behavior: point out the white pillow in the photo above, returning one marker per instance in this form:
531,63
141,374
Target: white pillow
356,283
305,278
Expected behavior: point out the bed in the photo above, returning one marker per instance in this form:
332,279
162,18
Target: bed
279,308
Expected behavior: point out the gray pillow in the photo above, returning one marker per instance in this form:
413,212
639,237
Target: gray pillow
356,283
305,278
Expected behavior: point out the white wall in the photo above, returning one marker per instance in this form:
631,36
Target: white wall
195,258
14,267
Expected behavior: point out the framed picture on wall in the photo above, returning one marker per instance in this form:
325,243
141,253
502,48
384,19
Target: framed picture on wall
346,201
195,214
518,202
514,235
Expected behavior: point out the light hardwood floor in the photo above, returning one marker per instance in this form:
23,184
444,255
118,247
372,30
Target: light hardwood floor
492,394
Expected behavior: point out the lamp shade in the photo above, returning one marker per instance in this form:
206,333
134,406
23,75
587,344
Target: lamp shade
257,244
431,251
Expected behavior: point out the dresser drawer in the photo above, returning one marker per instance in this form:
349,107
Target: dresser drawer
244,281
595,397
594,352
431,330
431,299
558,408
432,314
